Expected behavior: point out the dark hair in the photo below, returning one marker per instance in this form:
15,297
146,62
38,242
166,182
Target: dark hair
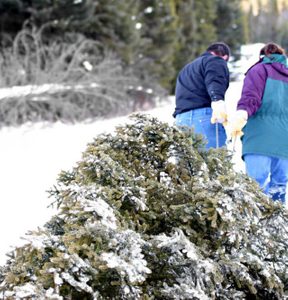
271,48
219,48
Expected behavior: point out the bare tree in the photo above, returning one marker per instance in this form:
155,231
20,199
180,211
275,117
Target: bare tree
72,78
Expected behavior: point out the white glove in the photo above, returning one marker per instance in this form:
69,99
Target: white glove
219,114
238,122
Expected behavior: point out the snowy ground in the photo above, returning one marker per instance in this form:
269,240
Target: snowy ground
33,155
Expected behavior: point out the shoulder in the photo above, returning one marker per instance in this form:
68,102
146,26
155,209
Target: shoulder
214,61
207,56
193,65
257,74
258,67
217,65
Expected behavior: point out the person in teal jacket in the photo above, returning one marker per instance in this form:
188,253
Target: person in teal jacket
262,112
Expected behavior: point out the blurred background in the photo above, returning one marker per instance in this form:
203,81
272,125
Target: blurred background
74,60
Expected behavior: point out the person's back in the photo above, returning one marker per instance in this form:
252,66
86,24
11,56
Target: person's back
200,84
203,80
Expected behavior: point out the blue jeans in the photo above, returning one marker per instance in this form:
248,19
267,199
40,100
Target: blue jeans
270,172
200,119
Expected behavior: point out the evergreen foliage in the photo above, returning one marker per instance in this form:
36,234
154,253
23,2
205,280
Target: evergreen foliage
155,38
158,40
64,14
229,24
147,214
202,22
109,22
113,24
196,29
12,15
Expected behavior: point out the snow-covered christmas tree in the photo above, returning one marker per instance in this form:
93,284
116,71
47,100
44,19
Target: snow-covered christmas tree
147,214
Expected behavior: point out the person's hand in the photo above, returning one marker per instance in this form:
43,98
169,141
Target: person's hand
238,122
219,114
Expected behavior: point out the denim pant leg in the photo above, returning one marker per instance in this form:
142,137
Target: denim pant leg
258,167
271,173
200,120
278,179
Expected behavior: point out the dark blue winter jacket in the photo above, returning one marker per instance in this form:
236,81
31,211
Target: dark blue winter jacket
201,81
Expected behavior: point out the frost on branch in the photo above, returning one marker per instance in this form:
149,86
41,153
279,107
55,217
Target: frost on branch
146,214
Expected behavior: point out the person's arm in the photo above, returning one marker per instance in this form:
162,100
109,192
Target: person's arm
251,98
217,82
253,89
216,78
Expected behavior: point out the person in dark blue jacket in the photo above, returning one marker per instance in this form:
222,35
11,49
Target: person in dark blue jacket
200,89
